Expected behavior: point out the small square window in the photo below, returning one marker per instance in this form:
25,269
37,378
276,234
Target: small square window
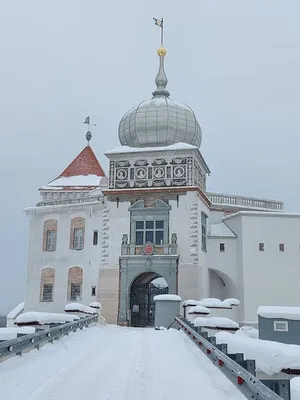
95,238
261,246
93,291
281,246
159,224
139,224
222,247
149,224
281,326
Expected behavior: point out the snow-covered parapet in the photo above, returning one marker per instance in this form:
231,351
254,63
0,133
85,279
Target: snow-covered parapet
270,357
80,308
279,312
199,310
167,297
12,333
96,304
189,303
44,318
214,303
232,301
13,314
216,323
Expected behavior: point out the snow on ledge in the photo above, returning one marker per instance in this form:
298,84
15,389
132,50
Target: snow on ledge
12,333
74,181
189,303
199,310
175,146
232,301
270,357
96,304
44,318
215,322
279,312
214,303
167,297
77,307
16,311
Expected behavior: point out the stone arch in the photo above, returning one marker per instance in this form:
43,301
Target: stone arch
75,281
221,285
141,298
47,284
49,235
77,224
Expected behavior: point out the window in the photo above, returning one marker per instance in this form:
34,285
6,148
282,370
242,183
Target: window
222,246
51,241
149,231
281,326
204,230
78,238
75,291
281,246
93,291
95,238
47,292
261,246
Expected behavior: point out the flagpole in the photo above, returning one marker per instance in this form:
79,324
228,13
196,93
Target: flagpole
162,33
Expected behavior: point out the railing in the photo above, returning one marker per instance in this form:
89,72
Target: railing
239,371
90,199
10,348
248,202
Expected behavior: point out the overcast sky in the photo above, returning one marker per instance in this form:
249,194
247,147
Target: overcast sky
235,62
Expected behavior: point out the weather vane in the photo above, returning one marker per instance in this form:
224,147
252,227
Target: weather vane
89,133
160,23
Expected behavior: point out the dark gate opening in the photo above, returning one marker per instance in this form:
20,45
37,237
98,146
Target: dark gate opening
142,304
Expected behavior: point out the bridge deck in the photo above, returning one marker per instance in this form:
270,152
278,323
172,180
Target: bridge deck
113,363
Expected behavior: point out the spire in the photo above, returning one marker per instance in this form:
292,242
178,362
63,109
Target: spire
161,79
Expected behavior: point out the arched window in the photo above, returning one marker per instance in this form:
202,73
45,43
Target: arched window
50,235
75,276
47,284
77,233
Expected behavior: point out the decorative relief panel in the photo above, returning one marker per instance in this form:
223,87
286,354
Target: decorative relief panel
105,235
194,233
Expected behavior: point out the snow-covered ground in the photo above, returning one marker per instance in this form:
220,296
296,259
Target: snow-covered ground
114,363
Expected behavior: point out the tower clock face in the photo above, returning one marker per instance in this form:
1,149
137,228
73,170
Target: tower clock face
140,173
159,172
178,172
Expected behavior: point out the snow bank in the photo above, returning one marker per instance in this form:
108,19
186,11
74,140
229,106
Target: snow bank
279,312
11,333
199,310
167,297
270,357
248,331
16,311
295,388
189,303
96,304
43,318
232,301
77,307
217,323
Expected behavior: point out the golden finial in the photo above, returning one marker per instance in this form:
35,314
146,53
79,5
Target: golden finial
161,51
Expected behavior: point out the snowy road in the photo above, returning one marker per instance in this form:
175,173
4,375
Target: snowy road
113,363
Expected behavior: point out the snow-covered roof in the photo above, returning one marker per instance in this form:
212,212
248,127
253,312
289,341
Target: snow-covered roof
270,357
16,311
220,229
12,333
167,297
44,318
199,310
279,312
216,322
77,307
175,146
262,214
77,181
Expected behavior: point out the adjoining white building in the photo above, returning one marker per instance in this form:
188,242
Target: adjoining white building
106,239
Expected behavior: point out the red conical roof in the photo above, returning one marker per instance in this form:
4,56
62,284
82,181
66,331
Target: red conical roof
84,172
85,163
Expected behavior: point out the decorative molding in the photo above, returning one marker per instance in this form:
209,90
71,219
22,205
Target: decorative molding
194,233
105,235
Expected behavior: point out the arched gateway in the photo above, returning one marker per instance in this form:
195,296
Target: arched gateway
143,290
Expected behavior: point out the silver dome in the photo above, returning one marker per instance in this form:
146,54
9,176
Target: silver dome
159,121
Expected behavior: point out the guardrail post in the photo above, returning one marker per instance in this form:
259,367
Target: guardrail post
212,340
205,335
223,347
250,366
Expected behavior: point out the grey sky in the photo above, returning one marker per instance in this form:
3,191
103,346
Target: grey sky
235,62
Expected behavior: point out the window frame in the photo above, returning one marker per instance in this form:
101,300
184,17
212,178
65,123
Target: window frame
147,230
51,240
261,246
281,247
204,218
95,237
71,291
93,291
50,299
285,323
80,239
222,247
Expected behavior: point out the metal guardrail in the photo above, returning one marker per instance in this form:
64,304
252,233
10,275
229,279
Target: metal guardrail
10,348
251,387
